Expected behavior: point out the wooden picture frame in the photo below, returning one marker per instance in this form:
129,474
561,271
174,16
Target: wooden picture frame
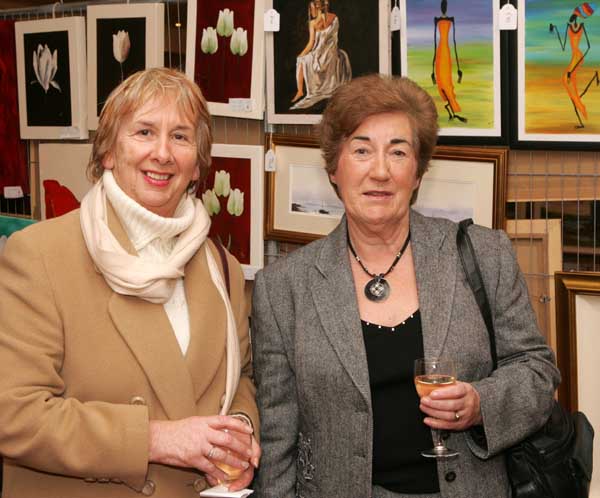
52,100
553,99
466,182
139,30
299,158
469,99
233,194
360,31
570,287
233,84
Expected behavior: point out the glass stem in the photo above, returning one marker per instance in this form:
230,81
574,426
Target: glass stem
437,439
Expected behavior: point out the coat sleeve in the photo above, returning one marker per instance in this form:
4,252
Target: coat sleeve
516,399
39,426
276,396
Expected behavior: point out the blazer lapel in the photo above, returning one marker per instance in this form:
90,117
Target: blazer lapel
147,331
335,300
435,268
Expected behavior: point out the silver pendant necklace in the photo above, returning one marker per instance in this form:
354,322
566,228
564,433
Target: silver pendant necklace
378,288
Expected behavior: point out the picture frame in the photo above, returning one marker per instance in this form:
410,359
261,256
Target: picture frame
349,56
298,192
466,182
238,89
233,194
469,97
52,103
551,104
114,33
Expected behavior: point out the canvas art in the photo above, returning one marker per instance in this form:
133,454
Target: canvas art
317,49
233,196
452,49
226,55
51,78
559,64
13,171
122,39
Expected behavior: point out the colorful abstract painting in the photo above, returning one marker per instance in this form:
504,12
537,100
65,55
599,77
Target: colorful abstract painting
452,49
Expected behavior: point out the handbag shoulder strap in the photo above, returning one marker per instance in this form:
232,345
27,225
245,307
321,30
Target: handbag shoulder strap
224,262
473,274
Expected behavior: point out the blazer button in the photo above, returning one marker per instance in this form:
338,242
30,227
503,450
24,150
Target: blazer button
137,400
199,485
450,476
103,480
149,488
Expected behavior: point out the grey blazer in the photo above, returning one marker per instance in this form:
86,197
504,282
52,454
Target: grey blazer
313,382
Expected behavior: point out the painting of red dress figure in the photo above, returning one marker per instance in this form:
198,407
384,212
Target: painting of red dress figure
226,194
13,169
224,42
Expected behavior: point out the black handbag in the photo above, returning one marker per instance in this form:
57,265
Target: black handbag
556,461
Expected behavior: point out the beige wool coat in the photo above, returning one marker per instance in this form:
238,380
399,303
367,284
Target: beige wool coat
83,369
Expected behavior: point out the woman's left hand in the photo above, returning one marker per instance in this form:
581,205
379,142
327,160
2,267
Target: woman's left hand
454,408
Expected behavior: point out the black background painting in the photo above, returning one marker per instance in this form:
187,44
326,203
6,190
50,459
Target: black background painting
358,36
52,108
108,68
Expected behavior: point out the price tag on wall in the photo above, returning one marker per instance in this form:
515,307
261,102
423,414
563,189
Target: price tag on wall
270,161
507,19
271,20
395,19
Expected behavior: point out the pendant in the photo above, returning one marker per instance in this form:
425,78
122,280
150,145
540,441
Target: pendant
377,289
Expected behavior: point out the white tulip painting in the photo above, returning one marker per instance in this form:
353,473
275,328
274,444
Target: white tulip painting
235,203
211,202
225,23
239,42
210,43
222,183
45,65
121,47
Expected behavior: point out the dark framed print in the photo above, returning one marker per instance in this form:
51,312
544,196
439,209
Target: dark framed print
122,39
225,55
558,84
319,47
51,78
466,182
453,50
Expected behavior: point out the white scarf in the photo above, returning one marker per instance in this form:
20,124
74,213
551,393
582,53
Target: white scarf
154,281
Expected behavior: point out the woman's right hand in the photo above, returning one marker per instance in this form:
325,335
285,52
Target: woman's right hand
189,442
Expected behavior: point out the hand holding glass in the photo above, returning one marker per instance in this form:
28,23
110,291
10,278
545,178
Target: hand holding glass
431,374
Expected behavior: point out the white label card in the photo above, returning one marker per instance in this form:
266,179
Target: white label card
395,23
270,161
271,20
241,105
508,17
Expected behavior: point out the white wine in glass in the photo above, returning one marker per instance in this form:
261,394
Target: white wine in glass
432,374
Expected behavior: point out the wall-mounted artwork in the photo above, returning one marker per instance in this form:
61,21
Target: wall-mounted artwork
233,196
452,49
558,54
51,78
14,158
321,45
225,55
122,39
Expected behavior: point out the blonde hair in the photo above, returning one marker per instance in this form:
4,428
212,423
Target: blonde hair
135,91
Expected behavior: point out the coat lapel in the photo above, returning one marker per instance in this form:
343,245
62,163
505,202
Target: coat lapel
147,331
435,268
335,300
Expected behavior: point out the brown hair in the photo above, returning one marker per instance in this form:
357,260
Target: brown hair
366,96
139,88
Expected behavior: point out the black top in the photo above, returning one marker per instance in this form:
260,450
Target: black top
399,434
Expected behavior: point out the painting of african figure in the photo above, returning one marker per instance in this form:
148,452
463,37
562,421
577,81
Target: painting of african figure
559,60
451,48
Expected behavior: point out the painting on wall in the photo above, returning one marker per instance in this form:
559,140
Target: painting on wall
14,156
317,49
233,196
558,54
122,39
452,49
51,78
225,55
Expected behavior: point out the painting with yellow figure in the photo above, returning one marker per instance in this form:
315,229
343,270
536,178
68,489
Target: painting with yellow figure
452,49
559,61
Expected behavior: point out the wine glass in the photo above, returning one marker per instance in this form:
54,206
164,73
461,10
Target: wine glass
431,374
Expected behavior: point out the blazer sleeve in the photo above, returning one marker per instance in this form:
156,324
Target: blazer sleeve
40,427
516,399
276,394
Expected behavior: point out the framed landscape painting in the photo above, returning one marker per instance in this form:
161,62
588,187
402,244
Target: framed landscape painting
51,78
558,54
225,55
233,195
350,39
122,39
452,50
